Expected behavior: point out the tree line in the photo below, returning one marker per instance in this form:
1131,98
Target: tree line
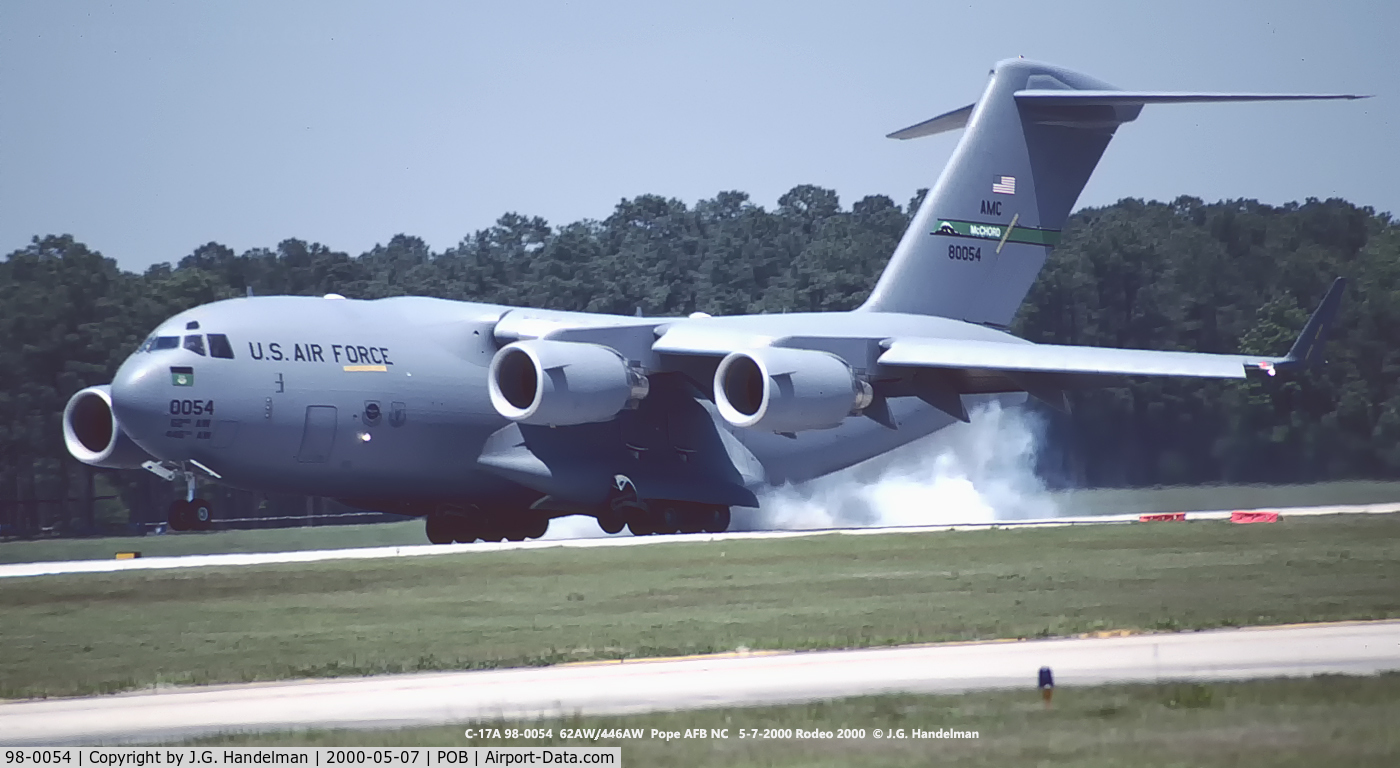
1186,275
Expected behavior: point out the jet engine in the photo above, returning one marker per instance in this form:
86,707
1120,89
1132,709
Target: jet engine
561,383
94,436
788,390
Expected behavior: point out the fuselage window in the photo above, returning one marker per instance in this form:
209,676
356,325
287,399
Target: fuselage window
167,342
219,346
195,343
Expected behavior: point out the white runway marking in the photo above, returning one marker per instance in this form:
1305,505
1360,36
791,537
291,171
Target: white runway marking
15,570
702,682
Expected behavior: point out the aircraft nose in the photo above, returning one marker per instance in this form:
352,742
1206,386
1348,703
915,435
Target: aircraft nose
140,395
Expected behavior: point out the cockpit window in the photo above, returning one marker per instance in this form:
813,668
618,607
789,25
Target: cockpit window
195,343
219,346
146,345
166,342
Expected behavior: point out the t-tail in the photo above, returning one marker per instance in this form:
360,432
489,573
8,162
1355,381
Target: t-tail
984,230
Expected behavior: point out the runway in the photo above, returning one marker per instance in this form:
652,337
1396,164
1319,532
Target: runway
18,570
702,682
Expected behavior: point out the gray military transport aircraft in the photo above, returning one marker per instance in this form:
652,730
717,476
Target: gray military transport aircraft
490,420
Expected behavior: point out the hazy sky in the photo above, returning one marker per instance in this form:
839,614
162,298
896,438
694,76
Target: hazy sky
146,129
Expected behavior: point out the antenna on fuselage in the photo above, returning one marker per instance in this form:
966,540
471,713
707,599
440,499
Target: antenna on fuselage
250,291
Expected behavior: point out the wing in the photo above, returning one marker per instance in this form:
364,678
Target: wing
1055,358
938,361
1046,370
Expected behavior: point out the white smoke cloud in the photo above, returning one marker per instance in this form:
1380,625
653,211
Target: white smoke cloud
978,472
968,473
577,527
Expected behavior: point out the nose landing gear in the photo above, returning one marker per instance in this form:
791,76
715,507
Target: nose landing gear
191,513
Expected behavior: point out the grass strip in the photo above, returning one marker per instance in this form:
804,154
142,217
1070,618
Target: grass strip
96,633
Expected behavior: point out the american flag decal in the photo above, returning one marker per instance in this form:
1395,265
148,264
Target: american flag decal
1004,185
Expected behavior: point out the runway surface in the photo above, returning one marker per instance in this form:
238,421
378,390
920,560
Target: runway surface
702,682
17,570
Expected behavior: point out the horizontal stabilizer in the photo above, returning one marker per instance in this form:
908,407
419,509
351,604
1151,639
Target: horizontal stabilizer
948,121
1072,98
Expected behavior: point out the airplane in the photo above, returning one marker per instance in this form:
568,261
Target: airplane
489,421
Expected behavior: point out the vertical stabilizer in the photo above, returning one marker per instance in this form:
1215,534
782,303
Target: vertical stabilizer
983,231
982,234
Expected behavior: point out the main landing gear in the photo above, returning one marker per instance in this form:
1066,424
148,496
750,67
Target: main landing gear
644,517
677,517
445,527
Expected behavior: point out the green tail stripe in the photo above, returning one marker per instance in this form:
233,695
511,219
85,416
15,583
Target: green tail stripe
1019,234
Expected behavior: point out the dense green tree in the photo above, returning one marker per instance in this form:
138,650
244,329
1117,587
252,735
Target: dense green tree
1189,275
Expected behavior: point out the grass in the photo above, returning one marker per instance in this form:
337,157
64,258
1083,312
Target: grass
1327,720
1109,501
97,633
266,540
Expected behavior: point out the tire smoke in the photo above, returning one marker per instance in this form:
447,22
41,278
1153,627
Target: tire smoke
978,472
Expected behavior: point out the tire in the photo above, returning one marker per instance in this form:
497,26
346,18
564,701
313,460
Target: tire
534,526
199,515
464,530
670,519
177,517
719,520
611,522
439,529
640,525
694,519
489,531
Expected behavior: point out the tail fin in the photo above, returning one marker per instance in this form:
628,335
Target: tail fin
980,237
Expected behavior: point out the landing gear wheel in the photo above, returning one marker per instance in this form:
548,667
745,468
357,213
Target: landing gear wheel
611,522
670,519
535,526
199,515
491,529
694,519
641,524
439,529
719,520
464,530
178,517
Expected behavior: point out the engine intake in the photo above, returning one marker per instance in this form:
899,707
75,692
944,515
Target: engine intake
561,383
93,434
788,390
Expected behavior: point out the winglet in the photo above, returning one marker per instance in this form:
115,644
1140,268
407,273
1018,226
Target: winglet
1307,350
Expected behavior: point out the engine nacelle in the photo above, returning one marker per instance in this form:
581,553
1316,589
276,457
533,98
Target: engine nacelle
560,383
93,434
788,390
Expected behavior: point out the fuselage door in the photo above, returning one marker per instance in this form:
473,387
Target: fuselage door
318,438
